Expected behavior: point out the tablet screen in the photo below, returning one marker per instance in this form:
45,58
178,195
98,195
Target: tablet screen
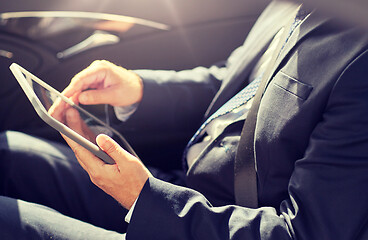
51,106
51,100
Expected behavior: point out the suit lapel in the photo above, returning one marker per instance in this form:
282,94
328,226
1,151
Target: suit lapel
310,23
271,20
253,49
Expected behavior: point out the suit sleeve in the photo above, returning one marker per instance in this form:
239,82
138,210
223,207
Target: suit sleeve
327,190
178,99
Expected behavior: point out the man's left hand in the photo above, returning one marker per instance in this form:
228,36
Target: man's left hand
123,180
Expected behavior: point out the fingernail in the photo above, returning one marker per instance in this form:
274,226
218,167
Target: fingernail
83,98
103,142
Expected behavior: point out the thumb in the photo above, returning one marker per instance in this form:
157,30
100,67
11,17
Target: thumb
98,96
112,148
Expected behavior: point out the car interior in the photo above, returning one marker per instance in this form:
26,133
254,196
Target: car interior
56,39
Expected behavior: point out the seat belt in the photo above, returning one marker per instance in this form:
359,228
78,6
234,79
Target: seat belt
245,175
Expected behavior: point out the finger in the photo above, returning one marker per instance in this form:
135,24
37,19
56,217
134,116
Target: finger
57,110
85,79
88,133
86,159
113,149
73,120
75,98
97,96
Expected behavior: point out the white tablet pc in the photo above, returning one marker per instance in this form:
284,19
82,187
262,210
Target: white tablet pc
42,97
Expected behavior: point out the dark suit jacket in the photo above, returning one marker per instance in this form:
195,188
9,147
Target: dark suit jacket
311,138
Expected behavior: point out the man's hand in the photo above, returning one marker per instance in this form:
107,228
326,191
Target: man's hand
105,83
60,110
123,180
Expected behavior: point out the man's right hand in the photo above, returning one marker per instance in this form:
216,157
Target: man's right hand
105,83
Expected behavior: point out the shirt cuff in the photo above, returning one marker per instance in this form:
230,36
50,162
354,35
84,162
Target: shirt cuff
130,213
124,113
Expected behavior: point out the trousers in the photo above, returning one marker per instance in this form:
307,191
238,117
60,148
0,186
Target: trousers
46,194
